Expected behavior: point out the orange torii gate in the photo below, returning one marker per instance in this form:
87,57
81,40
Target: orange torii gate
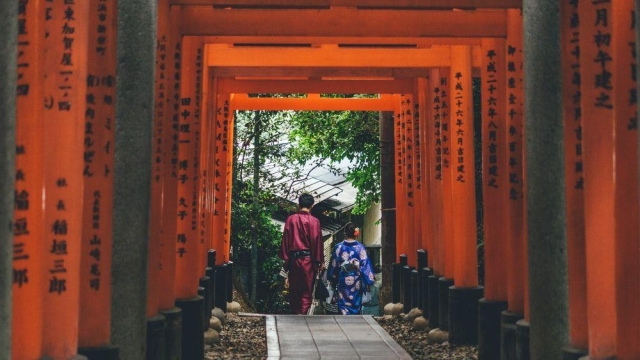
165,154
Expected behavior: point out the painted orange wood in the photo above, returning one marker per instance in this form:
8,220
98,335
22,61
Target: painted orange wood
64,91
425,114
188,170
242,102
447,147
494,169
445,4
574,176
317,72
99,127
229,121
418,173
158,159
514,148
463,169
626,212
204,217
28,229
205,20
232,86
168,238
596,23
406,105
222,55
401,213
221,153
342,40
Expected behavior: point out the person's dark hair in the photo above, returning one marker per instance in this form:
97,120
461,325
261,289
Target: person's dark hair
350,230
306,201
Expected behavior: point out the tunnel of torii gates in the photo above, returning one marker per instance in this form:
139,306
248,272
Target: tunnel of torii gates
116,161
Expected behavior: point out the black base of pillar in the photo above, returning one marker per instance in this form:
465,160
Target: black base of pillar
423,302
205,283
489,328
220,287
192,334
434,299
443,304
573,353
107,352
463,315
522,340
173,333
508,335
156,327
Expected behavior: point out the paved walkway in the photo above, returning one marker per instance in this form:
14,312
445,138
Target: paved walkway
329,337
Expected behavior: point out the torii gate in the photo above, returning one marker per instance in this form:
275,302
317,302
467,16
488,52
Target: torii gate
148,149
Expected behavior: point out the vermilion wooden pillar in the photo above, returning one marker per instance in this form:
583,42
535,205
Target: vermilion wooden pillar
425,116
99,116
418,172
221,153
574,179
409,156
187,256
517,261
64,89
229,119
495,187
627,232
464,296
204,210
401,213
28,229
168,238
446,168
596,25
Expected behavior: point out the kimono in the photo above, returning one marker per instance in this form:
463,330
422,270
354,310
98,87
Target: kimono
351,270
302,250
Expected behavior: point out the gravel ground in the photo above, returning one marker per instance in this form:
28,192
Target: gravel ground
244,338
416,344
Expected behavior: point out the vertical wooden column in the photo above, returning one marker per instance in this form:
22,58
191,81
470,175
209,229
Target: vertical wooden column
446,175
28,215
64,92
205,170
99,125
424,114
187,251
409,155
461,128
596,28
514,145
574,177
464,295
419,213
221,155
168,237
495,193
229,120
188,170
401,247
437,154
626,213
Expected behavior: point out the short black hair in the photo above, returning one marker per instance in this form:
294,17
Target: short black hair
306,201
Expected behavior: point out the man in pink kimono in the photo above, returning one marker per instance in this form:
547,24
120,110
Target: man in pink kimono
303,254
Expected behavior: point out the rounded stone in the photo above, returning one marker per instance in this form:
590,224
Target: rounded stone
211,337
413,314
397,309
217,312
215,324
233,307
420,323
438,336
388,309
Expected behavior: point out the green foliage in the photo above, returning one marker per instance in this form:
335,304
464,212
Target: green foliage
340,135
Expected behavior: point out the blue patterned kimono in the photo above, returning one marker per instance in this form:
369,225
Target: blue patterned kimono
351,270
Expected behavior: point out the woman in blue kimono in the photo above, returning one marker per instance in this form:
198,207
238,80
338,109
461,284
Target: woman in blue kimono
350,271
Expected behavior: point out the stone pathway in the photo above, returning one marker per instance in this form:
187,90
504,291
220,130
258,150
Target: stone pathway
329,337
